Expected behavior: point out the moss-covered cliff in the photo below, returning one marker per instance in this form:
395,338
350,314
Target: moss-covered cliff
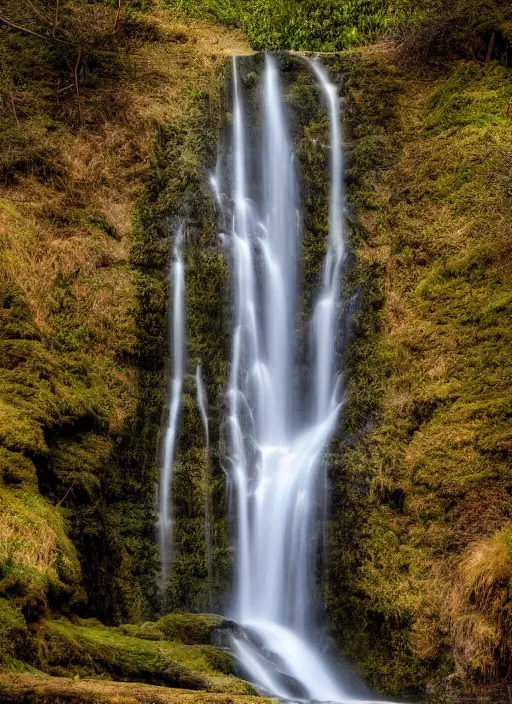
86,208
421,509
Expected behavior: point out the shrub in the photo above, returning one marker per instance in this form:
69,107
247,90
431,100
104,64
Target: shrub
469,29
326,25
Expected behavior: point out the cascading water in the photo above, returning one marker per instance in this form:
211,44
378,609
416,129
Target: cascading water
278,433
202,404
177,339
276,454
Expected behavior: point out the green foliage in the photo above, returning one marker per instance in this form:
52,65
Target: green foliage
328,25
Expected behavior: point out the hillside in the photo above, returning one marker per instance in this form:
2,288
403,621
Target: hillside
109,116
422,478
76,517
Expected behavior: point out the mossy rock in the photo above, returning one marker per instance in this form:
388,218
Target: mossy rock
87,648
192,629
66,648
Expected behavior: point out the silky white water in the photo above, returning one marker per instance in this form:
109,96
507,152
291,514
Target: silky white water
276,453
177,344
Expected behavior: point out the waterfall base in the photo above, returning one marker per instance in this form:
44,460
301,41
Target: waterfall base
280,663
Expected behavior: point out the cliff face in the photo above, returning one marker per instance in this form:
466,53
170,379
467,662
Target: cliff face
421,478
87,202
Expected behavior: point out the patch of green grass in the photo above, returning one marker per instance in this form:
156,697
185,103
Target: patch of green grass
93,650
328,25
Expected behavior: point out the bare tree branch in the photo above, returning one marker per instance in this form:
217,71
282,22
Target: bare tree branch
490,48
66,494
47,38
38,14
117,14
34,34
63,90
56,19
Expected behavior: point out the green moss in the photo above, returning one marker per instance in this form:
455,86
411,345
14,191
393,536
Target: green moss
102,651
127,654
147,631
67,334
421,470
188,628
177,190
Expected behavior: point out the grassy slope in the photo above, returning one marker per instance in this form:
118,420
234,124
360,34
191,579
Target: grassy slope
70,297
422,484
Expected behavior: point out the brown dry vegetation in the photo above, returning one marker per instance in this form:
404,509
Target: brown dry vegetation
73,164
34,689
434,572
57,223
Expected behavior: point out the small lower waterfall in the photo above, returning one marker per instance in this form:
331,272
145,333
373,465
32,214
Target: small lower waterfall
276,449
177,343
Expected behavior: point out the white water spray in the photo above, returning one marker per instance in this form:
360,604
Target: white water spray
177,339
276,460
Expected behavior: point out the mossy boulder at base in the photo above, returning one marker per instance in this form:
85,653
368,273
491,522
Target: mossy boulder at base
189,628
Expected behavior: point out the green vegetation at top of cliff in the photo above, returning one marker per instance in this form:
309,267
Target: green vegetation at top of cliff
328,25
429,28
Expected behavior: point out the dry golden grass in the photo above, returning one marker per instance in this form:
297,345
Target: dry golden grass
49,226
440,231
33,534
481,614
103,164
17,687
67,196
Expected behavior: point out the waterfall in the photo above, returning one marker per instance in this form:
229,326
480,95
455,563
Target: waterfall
276,456
175,385
202,404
